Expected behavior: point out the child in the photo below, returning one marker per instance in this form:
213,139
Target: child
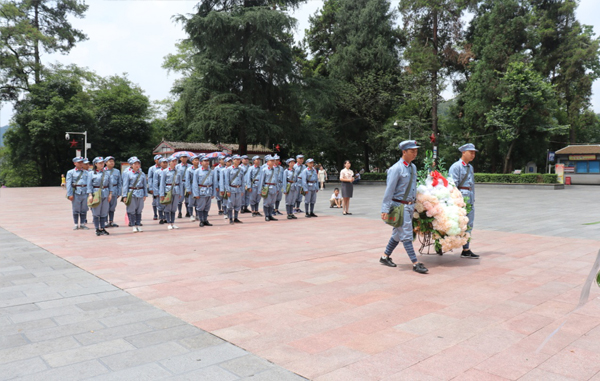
336,199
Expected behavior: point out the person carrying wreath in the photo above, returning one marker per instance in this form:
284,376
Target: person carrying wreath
464,179
401,191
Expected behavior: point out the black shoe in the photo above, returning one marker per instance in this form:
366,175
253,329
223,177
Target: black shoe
201,224
155,218
104,232
187,214
420,268
300,210
272,218
237,221
267,218
331,206
278,212
243,211
289,217
162,222
387,261
220,212
294,217
179,215
258,214
313,215
206,223
308,215
231,222
99,232
468,254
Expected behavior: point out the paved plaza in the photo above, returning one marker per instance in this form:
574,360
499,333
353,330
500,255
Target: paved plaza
299,299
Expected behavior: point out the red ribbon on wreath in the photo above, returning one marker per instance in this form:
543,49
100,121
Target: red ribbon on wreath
436,177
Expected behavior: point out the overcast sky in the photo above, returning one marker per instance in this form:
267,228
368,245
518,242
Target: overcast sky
133,37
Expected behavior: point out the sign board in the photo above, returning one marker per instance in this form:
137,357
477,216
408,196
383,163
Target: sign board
560,173
582,157
569,169
551,156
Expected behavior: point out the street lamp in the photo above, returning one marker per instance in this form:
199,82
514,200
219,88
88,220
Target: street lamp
409,128
86,145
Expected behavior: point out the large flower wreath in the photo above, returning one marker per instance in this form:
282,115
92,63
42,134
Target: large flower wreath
440,211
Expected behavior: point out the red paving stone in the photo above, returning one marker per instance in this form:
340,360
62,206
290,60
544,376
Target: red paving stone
310,295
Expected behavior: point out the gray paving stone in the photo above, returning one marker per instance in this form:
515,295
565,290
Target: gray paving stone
63,330
211,373
21,369
37,349
47,313
67,301
10,341
200,341
112,333
10,328
247,365
112,316
90,352
143,356
165,322
79,371
139,373
159,336
203,358
275,374
100,304
133,317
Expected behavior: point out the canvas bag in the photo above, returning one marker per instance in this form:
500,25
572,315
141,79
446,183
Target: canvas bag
97,199
395,217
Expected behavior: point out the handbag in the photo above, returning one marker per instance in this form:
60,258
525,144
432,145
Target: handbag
395,216
130,193
288,187
264,192
97,199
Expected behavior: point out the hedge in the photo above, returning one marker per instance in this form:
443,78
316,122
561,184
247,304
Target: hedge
528,178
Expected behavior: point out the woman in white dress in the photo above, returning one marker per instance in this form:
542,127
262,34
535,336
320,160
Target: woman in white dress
322,176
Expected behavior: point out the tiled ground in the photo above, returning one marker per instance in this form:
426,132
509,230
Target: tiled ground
310,296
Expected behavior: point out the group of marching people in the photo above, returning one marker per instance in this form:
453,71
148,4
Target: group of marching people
180,179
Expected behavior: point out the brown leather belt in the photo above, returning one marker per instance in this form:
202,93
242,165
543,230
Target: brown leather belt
100,187
79,186
403,202
136,188
289,181
270,183
235,186
464,188
203,186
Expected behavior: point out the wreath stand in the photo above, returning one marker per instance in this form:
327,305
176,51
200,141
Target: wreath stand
428,244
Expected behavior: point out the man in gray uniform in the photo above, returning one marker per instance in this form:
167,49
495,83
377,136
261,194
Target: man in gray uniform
310,185
233,184
401,190
464,178
76,184
182,168
268,180
151,171
203,189
300,167
245,195
117,183
164,164
279,175
190,200
252,180
218,191
134,180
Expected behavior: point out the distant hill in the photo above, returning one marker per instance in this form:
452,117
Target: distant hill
2,131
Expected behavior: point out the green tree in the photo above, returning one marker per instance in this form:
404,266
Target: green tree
434,33
55,105
353,75
28,28
122,113
243,86
525,110
569,55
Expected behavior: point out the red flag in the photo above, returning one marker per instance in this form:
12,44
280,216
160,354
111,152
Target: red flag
436,177
277,147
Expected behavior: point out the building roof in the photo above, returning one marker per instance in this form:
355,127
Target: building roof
207,147
579,149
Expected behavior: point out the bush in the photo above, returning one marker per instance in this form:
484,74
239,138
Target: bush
527,178
372,176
